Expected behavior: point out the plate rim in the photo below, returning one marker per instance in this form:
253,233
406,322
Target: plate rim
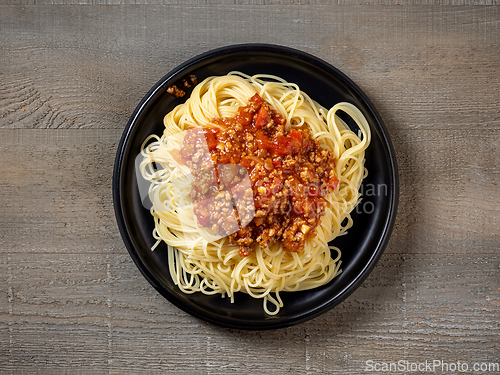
389,219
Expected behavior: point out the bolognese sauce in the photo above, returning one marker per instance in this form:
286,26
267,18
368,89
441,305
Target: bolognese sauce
290,174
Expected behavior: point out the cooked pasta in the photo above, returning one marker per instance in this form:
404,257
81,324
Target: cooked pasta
203,260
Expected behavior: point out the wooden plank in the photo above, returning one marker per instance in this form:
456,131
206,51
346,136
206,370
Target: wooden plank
254,2
449,189
387,319
89,66
61,182
72,299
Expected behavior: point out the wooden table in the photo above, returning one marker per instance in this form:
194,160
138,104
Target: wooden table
72,301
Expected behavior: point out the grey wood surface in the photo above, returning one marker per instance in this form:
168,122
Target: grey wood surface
71,299
280,3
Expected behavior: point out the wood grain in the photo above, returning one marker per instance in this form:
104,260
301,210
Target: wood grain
78,67
254,2
71,299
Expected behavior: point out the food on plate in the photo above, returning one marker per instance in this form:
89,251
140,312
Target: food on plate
249,182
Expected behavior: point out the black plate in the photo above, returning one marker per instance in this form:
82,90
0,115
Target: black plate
361,247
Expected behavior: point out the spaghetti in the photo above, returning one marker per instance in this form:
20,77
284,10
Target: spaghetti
204,259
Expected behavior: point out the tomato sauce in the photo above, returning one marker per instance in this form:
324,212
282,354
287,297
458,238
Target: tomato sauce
289,175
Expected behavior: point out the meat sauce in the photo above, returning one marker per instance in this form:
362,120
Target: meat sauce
289,174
